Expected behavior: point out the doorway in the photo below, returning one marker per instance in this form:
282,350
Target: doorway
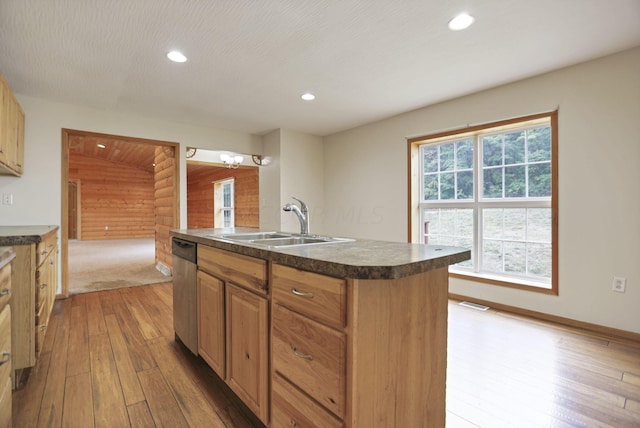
113,208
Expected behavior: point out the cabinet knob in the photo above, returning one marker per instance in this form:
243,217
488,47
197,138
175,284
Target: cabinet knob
4,292
6,357
294,424
43,327
294,349
43,285
305,294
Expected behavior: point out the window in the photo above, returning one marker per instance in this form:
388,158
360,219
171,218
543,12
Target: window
491,189
223,203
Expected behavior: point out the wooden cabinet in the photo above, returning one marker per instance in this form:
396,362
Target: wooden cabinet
375,356
233,323
247,348
35,282
211,322
11,132
6,256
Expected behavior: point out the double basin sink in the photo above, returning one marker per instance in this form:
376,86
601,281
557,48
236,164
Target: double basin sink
279,239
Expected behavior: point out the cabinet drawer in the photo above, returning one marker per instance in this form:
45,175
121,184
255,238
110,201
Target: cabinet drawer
5,343
318,296
44,247
5,402
310,355
292,408
241,270
5,285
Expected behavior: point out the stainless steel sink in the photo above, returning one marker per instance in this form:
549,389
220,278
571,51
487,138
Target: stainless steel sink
279,239
254,236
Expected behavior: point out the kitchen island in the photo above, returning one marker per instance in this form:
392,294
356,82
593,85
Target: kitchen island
349,333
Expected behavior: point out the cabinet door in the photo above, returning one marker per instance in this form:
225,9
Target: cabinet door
247,348
211,331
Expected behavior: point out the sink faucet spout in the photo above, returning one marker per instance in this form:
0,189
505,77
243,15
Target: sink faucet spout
301,212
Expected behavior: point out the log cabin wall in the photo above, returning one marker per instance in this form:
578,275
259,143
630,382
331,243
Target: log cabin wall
166,183
200,206
116,199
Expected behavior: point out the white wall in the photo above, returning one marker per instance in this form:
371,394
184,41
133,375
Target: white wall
40,185
599,182
295,168
301,175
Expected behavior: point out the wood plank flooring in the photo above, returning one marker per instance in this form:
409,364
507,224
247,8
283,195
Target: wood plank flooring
110,360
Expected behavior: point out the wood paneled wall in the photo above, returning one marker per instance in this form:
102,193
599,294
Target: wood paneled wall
200,207
117,200
166,184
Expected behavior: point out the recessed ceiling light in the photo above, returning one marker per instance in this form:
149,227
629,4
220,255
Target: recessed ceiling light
461,21
176,56
102,146
308,97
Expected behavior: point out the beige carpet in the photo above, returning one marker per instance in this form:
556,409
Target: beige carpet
108,264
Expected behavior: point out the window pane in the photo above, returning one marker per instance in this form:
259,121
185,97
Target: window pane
464,154
515,224
492,150
540,180
539,225
446,157
514,257
447,186
492,223
515,181
430,158
430,187
465,185
539,260
492,256
492,183
539,144
449,227
514,148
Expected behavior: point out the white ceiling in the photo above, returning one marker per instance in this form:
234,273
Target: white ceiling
249,60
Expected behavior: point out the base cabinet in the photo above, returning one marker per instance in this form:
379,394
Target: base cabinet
247,348
34,278
303,349
211,322
233,324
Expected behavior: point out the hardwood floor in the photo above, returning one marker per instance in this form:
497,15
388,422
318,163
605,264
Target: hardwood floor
110,360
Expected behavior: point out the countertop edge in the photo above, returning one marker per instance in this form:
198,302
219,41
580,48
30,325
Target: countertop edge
331,268
22,235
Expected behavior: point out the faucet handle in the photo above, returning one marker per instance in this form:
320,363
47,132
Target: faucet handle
303,206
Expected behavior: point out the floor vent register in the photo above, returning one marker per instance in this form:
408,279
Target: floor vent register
475,306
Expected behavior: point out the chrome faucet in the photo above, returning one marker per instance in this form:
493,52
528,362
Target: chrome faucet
302,213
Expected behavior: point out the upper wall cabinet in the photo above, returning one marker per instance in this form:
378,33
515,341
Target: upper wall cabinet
11,132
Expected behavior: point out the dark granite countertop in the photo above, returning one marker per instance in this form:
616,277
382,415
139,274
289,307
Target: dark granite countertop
21,235
359,259
6,255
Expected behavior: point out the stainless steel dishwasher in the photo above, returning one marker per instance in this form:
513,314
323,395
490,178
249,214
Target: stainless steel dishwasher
185,291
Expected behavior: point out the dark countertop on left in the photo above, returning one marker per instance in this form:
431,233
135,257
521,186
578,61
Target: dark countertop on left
6,255
21,235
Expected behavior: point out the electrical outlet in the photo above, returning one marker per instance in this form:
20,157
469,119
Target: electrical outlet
619,284
7,198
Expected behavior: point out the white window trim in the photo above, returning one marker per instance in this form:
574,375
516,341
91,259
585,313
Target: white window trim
218,202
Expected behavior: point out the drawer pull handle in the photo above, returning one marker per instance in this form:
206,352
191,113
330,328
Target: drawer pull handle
294,424
298,354
43,252
302,293
43,285
43,327
6,357
4,292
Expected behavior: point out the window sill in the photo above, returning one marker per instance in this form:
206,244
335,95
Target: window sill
533,286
